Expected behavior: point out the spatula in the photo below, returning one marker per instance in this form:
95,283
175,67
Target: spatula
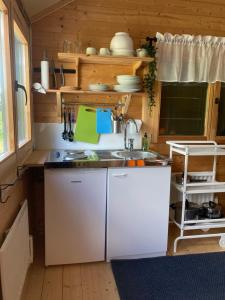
65,133
70,133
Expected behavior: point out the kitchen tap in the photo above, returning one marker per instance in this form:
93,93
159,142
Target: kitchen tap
131,141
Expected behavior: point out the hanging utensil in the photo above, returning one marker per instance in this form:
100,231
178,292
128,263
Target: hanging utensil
62,76
65,133
73,120
70,133
53,74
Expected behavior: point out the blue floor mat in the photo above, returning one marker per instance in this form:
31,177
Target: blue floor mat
186,277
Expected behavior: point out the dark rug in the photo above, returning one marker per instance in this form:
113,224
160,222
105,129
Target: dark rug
186,277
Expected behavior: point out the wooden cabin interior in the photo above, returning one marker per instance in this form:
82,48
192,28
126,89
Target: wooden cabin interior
74,197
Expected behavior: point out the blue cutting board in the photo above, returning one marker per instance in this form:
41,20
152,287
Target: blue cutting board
103,120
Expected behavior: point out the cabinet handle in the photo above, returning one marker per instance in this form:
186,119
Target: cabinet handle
120,175
76,181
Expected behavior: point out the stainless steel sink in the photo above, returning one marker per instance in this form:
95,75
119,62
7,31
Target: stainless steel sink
102,158
134,154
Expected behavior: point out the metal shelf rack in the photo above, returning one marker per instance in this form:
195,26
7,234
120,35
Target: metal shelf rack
197,191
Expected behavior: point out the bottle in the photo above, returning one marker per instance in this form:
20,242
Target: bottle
145,143
45,72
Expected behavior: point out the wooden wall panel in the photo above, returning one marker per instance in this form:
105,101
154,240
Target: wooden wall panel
95,22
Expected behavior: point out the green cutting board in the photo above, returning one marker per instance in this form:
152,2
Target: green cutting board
86,125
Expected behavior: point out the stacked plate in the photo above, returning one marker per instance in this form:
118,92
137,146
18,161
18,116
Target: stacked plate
128,83
98,87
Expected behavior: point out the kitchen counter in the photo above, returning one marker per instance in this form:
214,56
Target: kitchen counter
37,158
103,159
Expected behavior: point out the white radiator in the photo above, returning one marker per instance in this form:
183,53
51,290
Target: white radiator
16,256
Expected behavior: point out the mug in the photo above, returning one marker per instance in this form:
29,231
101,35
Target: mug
104,51
91,51
141,52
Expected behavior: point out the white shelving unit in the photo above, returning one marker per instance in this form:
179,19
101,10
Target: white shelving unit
198,192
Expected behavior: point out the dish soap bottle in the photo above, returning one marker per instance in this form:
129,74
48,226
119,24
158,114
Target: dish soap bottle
145,143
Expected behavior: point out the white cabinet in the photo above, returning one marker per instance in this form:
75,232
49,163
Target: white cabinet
137,212
75,209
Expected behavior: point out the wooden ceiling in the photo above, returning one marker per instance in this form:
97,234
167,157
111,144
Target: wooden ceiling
34,7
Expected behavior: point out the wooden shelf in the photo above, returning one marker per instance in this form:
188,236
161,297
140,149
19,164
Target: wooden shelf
110,93
108,60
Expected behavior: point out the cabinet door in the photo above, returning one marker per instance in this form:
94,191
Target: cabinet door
137,212
75,207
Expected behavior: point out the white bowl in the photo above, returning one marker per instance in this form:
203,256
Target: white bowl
128,79
127,76
121,40
98,87
128,89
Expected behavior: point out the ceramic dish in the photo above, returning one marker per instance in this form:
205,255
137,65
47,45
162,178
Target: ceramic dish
128,79
120,88
121,40
129,86
122,52
98,87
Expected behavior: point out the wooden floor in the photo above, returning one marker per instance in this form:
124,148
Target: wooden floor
92,281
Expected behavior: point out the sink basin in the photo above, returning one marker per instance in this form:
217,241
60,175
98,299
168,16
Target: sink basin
134,154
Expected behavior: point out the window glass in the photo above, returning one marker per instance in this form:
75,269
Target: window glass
22,75
221,114
183,108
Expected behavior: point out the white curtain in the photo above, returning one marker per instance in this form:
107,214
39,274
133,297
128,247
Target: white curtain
188,58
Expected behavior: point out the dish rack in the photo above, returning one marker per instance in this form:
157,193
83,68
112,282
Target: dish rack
202,187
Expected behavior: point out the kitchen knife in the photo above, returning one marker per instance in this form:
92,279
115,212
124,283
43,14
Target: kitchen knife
53,74
62,76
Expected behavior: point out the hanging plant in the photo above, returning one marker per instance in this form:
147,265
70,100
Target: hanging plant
150,77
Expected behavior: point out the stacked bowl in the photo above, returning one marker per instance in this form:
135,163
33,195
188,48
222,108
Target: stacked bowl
122,45
128,83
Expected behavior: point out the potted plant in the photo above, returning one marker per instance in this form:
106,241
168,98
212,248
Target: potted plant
150,76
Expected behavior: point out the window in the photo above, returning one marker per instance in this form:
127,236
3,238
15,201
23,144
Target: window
22,94
221,113
182,108
6,112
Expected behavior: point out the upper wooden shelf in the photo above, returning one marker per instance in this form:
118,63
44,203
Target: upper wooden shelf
97,59
141,93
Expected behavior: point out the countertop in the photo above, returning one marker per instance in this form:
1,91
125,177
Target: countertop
40,158
37,158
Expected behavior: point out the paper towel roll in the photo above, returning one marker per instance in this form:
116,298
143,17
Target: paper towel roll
45,74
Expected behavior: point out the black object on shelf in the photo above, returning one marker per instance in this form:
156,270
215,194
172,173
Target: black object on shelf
57,70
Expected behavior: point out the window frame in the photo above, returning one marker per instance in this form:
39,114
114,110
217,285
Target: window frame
209,123
8,84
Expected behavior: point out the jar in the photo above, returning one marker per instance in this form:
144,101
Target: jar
121,40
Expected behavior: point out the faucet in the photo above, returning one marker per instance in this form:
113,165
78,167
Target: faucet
131,141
